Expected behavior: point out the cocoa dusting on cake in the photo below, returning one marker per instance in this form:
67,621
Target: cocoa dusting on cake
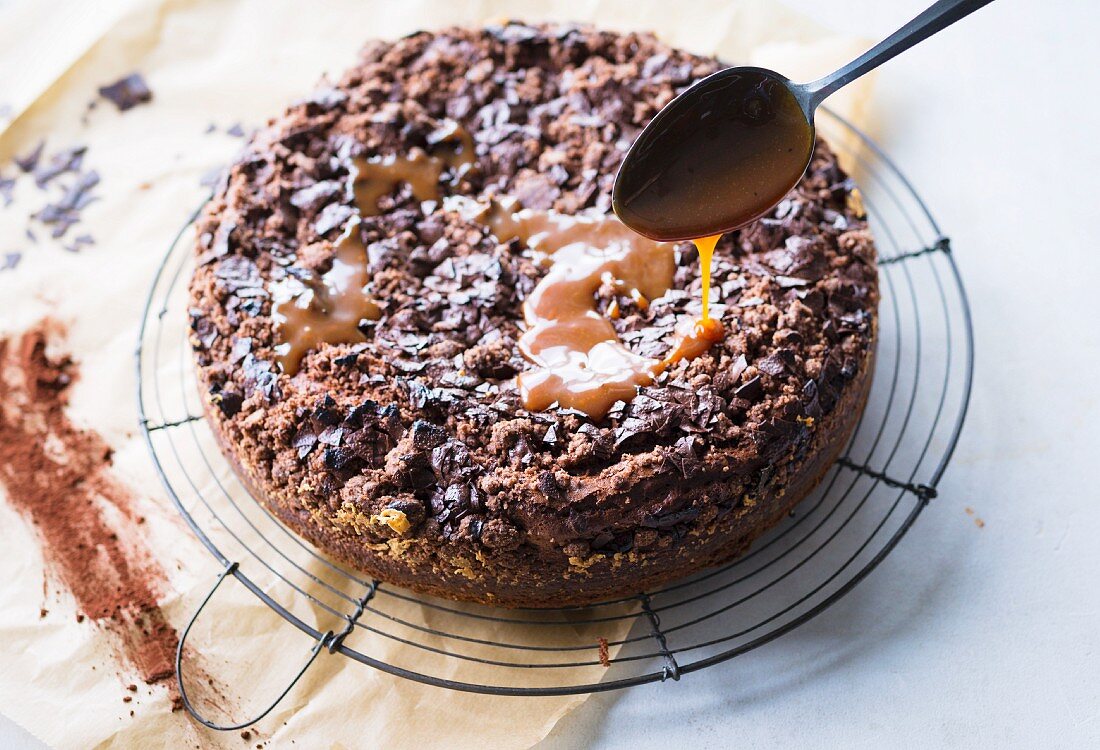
405,450
58,477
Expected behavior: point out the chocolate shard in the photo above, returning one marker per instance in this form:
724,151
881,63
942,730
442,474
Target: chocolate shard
750,391
772,364
29,162
241,348
127,92
7,187
316,195
67,160
551,435
548,485
426,436
304,441
229,402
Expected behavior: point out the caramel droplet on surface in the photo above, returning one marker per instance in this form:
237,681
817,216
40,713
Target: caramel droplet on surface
704,333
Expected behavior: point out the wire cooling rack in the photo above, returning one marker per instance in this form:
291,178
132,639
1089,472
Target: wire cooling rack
833,539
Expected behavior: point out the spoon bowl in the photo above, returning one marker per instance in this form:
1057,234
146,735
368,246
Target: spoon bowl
718,156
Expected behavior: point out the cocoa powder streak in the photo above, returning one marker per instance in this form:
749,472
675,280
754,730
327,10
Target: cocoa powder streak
58,476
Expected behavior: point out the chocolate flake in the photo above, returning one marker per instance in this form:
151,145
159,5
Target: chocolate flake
83,240
7,185
127,92
29,162
751,390
66,211
772,365
67,160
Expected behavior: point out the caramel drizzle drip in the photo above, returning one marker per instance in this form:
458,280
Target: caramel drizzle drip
705,246
580,362
310,310
706,331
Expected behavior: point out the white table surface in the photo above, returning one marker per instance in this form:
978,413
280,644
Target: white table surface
963,637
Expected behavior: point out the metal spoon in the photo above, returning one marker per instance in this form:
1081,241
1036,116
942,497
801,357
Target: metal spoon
729,148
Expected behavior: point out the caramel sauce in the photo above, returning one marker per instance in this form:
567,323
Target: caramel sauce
580,363
706,331
376,177
705,246
703,334
310,310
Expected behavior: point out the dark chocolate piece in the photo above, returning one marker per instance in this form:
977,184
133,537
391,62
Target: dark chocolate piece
127,92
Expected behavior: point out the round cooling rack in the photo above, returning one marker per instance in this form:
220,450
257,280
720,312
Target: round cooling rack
835,537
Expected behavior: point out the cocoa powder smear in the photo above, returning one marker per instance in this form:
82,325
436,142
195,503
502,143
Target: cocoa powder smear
58,476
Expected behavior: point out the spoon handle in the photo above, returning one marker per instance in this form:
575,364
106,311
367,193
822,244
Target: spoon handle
936,17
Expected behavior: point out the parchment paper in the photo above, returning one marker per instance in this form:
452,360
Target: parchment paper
223,62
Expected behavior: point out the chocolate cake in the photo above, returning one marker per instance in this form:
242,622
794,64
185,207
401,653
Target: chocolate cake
361,317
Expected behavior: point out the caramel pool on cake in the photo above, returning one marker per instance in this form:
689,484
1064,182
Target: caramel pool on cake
431,349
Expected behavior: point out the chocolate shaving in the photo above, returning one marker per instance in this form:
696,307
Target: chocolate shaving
84,240
29,162
127,92
68,160
751,390
7,185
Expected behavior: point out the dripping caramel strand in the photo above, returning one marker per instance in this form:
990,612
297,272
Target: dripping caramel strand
705,246
706,331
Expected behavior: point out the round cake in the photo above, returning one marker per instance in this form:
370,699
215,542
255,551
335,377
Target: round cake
362,321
